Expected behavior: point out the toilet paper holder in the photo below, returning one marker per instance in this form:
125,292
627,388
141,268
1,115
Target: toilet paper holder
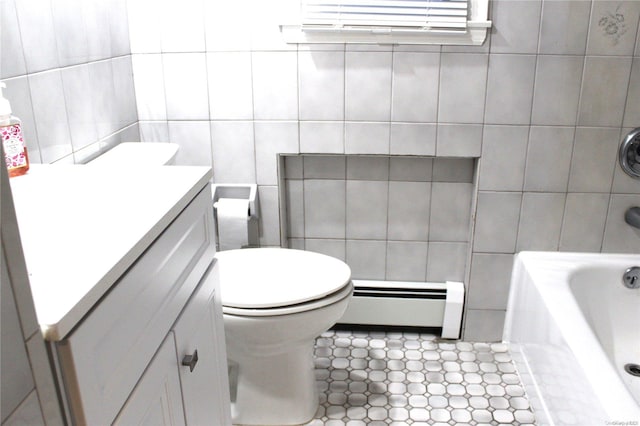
243,191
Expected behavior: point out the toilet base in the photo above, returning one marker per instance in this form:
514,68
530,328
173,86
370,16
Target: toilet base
274,389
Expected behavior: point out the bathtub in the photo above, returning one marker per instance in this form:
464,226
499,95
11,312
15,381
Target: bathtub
571,327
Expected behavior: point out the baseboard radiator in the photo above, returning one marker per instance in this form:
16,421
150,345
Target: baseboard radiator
410,304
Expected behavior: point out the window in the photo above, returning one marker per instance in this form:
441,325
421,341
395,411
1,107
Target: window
390,21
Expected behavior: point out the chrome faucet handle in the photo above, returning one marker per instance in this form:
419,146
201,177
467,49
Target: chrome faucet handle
629,153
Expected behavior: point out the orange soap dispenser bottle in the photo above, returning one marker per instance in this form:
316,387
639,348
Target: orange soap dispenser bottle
13,145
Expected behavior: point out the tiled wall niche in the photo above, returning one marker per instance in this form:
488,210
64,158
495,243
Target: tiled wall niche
390,218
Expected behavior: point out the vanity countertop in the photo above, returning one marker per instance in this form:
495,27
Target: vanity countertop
82,227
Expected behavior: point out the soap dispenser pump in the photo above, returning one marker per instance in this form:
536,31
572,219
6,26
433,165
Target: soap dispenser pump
13,145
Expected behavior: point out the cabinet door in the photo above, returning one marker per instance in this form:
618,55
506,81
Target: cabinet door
205,385
156,399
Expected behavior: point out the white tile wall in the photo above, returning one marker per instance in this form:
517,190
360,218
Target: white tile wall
594,159
632,110
541,104
97,17
618,236
604,90
324,208
322,136
489,282
366,258
103,93
230,87
145,26
450,211
194,139
70,32
38,35
413,139
517,26
564,26
269,219
497,217
324,167
11,42
69,76
234,158
273,138
509,89
150,94
366,212
459,140
366,138
540,221
83,130
185,82
402,168
557,90
182,28
321,85
447,261
409,209
52,123
368,86
335,248
463,82
583,223
406,260
504,150
415,87
607,34
548,159
275,85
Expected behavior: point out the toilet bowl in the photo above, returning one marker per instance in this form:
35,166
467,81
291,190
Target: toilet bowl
275,303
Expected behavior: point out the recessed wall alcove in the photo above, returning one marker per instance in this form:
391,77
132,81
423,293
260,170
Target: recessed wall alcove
393,218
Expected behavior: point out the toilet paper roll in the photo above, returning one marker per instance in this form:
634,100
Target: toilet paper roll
233,223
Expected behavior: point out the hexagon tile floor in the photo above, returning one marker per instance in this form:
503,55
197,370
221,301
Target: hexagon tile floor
377,378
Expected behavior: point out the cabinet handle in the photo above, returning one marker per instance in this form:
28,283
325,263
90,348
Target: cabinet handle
190,360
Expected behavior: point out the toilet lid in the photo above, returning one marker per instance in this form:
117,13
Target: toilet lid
275,277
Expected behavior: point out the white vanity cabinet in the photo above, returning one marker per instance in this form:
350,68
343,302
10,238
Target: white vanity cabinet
125,295
122,361
159,398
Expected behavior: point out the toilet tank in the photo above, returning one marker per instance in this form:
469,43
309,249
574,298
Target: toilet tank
138,154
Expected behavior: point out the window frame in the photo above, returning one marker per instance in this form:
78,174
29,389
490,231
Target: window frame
475,33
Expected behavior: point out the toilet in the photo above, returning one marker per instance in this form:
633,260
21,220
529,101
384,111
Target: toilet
127,154
275,303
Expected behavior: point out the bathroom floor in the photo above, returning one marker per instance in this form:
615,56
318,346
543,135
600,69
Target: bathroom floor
395,378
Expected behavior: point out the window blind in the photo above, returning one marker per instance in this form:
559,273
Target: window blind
456,22
384,15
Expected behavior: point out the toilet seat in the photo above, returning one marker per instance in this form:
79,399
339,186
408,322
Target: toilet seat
292,309
275,281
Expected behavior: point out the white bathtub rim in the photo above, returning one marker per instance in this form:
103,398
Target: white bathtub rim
545,268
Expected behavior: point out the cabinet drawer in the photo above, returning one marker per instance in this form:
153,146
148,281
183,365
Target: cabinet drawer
104,357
